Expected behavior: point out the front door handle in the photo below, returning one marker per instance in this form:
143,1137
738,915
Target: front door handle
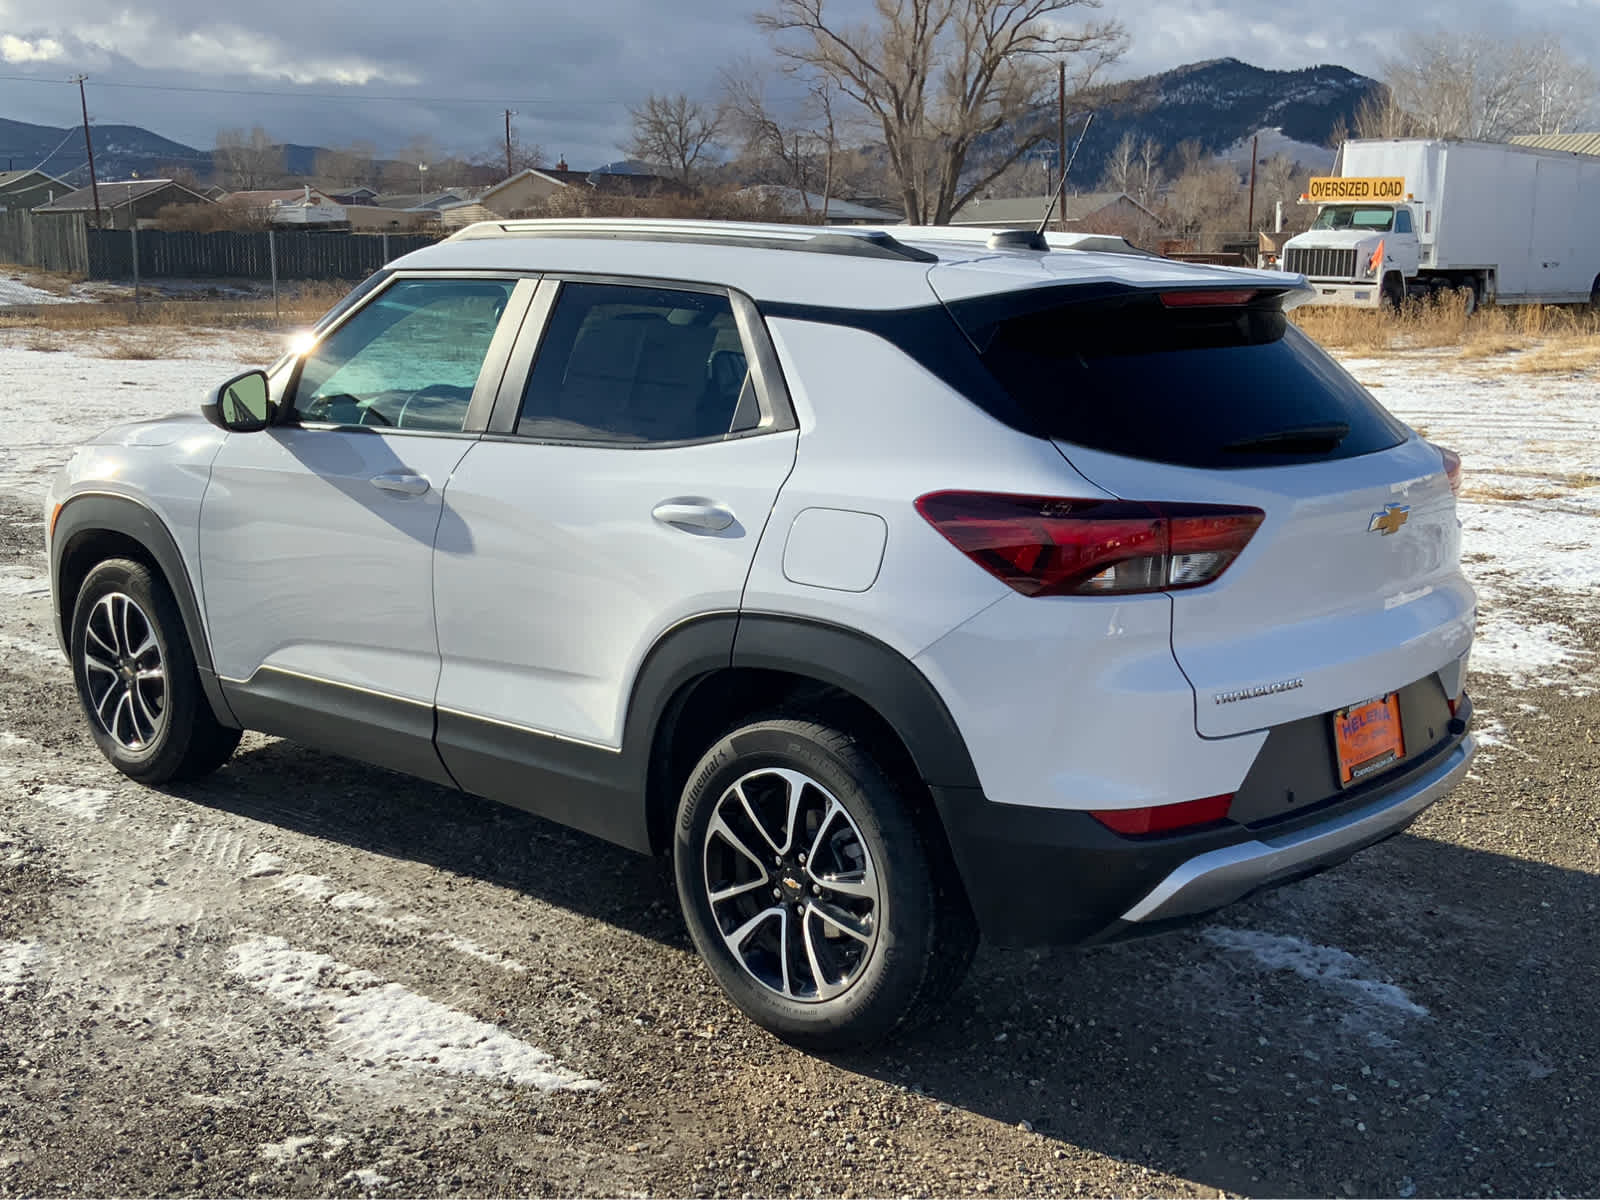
401,485
694,515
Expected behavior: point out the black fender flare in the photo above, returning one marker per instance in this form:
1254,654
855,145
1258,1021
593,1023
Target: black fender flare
99,512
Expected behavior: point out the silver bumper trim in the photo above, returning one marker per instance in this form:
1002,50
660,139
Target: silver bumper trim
1223,876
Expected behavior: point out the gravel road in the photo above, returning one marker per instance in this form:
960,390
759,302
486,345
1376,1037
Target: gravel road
306,976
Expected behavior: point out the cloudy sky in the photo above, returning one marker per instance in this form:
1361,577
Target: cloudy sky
320,71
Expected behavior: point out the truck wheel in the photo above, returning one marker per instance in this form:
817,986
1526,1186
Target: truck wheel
1469,297
811,889
1594,295
137,680
1393,295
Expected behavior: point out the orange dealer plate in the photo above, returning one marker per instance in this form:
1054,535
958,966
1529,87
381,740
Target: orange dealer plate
1368,738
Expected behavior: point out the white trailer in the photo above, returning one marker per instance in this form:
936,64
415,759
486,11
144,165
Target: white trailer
1497,223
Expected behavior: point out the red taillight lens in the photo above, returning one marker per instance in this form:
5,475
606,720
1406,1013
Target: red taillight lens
1044,546
1452,468
1207,299
1164,818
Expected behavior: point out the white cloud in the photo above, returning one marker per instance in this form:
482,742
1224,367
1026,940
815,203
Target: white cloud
14,49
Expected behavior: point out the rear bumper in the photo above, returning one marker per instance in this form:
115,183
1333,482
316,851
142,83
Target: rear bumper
1055,877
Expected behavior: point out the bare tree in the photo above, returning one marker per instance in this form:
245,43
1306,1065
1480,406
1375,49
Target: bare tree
1204,198
942,77
794,147
247,161
1122,167
1564,90
348,167
676,132
1476,86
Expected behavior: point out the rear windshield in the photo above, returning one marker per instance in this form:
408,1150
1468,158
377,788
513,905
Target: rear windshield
1211,387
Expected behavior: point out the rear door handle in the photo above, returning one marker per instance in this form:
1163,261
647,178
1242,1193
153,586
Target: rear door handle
697,515
401,485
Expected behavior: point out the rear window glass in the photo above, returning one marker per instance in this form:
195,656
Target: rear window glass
1204,387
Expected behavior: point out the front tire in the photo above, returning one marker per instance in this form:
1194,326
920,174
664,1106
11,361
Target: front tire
813,888
137,680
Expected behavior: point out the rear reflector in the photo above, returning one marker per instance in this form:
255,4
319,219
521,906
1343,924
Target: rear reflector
1452,468
1164,818
1045,546
1209,299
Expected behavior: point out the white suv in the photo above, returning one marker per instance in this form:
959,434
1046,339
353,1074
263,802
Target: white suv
902,588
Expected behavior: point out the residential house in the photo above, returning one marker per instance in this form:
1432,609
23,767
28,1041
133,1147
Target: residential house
29,189
400,212
122,201
809,206
526,191
301,206
1086,212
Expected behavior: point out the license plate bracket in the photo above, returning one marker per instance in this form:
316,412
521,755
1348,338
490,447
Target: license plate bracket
1368,738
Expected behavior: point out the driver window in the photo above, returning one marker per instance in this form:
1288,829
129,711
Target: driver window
1402,221
408,360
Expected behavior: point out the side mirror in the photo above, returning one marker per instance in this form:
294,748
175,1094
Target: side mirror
242,405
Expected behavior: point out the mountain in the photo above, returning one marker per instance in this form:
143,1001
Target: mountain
119,151
1220,104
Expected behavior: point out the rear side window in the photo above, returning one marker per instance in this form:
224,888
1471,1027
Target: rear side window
1215,387
637,366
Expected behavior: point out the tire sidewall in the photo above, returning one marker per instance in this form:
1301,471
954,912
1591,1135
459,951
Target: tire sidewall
894,972
156,760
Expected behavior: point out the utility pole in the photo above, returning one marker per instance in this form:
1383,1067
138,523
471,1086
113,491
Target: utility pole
1255,155
88,145
510,112
1061,129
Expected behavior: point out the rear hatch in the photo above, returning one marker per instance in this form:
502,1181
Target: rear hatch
1351,586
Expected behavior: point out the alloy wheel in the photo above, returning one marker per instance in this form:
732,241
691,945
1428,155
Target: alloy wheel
124,671
792,886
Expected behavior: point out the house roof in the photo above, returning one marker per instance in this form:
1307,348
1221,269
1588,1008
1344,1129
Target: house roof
794,201
410,200
1575,143
269,197
611,183
114,193
1074,208
21,179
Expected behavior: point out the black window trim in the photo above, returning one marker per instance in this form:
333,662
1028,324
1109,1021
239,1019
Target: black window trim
772,392
286,373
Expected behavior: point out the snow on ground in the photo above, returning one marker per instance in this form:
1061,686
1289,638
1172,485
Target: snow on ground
1325,965
14,290
1530,509
372,1020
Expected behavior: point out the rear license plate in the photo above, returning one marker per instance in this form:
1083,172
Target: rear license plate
1368,738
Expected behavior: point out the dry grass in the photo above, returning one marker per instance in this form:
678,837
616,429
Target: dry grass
308,302
43,343
140,346
1562,339
1559,358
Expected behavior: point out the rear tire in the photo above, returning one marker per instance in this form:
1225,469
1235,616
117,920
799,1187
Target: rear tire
814,889
137,680
1392,295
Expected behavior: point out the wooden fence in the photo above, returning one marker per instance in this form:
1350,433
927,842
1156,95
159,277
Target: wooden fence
271,255
48,241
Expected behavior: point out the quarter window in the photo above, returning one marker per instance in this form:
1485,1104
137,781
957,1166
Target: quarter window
408,360
638,365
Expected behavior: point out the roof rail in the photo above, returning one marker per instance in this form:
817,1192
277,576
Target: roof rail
855,243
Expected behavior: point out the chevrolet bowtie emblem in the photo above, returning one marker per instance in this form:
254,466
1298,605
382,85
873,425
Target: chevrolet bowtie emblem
1390,519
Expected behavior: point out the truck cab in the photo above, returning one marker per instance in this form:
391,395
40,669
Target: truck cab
1359,253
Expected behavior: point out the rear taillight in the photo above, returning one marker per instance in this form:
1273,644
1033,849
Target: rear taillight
1164,818
1452,468
1043,546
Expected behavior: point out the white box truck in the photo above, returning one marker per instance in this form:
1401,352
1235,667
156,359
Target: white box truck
1409,217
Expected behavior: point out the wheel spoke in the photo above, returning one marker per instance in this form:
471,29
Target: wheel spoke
739,936
721,829
114,692
842,921
865,888
124,627
125,707
145,718
750,812
796,784
740,889
94,663
103,609
783,949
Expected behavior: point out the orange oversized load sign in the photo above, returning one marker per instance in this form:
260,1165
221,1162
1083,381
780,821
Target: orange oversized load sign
1328,189
1368,738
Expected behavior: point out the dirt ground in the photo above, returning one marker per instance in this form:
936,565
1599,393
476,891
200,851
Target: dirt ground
199,990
